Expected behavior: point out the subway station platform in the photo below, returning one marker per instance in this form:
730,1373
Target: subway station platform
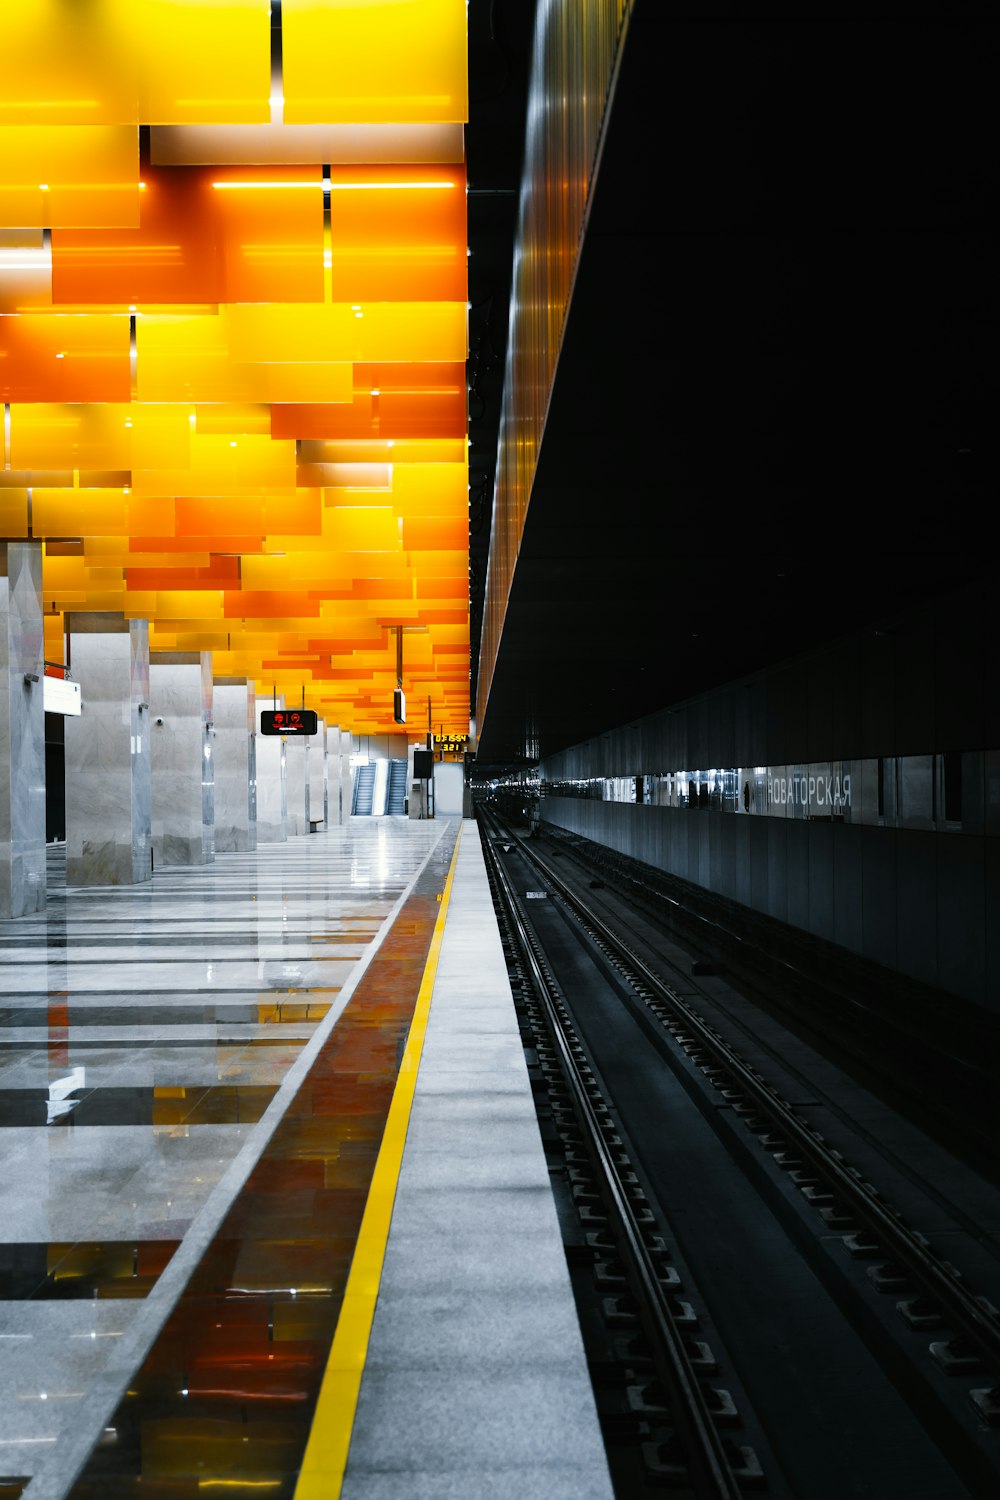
275,1212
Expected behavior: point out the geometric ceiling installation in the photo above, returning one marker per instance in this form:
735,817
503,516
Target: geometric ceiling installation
233,333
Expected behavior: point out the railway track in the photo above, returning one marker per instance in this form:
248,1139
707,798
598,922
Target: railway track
906,1346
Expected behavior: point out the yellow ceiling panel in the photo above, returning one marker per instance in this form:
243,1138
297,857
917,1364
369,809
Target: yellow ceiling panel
79,176
364,528
136,61
106,549
197,358
333,332
43,434
13,512
395,60
161,435
219,465
189,604
185,358
79,512
431,489
233,419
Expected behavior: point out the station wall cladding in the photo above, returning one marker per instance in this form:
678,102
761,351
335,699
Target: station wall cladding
852,792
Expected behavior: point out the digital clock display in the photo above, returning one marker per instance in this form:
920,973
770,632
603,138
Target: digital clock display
288,721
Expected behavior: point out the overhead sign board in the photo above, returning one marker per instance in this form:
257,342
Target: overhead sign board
288,721
61,696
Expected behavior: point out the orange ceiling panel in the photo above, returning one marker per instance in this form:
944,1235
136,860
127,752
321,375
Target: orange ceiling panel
422,400
171,256
436,533
221,573
260,240
62,357
398,233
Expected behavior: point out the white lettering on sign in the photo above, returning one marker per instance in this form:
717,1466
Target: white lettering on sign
809,791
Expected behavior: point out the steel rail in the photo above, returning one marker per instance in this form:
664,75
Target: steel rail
976,1319
707,1455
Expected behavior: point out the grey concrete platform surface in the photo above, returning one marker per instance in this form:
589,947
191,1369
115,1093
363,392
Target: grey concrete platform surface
476,1383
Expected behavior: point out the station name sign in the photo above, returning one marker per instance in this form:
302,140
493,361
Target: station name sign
288,721
810,791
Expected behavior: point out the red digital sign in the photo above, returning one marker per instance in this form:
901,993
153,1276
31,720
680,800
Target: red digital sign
288,721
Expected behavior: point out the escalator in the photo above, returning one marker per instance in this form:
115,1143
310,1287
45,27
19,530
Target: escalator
364,787
396,799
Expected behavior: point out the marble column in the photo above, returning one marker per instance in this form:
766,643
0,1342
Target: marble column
297,757
108,798
318,791
234,742
344,777
183,802
336,810
272,793
22,731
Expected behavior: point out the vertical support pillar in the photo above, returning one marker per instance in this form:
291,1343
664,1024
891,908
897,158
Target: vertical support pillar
272,790
22,731
345,775
334,813
318,792
108,792
183,797
234,746
297,758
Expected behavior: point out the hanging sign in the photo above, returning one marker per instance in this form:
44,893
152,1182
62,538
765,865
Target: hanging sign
288,721
60,695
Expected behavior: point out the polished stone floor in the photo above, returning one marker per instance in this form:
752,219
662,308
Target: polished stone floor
152,1040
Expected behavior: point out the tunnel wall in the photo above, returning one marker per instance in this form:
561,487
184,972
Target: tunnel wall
908,874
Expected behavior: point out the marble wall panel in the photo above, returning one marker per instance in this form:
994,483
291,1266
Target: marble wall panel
272,799
345,774
108,788
334,787
297,756
234,744
22,731
318,777
207,759
183,805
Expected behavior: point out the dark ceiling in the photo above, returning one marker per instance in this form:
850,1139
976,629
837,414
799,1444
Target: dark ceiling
774,419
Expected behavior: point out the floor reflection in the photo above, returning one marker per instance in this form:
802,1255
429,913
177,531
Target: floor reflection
84,1269
225,1398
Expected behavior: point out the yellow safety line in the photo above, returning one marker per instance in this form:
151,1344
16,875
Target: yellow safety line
322,1472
